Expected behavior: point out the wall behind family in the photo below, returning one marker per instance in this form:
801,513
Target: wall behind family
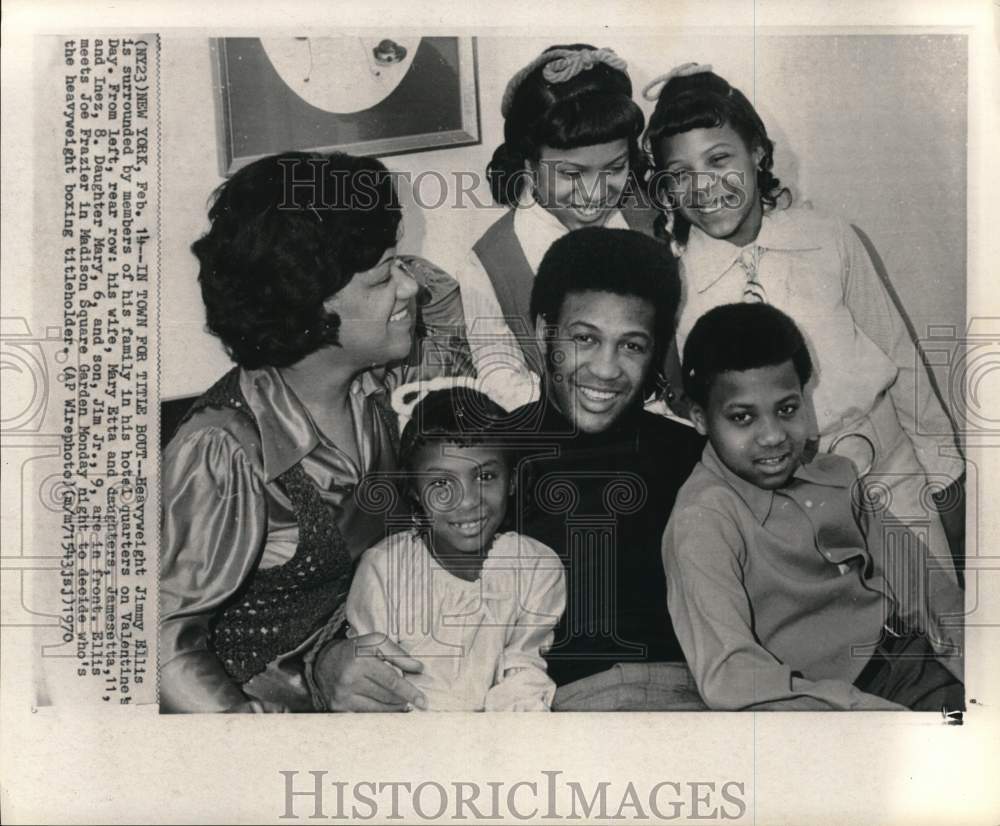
870,127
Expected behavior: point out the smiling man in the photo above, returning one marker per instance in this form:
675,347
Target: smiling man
601,473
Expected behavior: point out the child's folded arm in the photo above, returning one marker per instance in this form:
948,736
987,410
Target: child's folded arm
918,407
522,684
703,553
441,348
496,353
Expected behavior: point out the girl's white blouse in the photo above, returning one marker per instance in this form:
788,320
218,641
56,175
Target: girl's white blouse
480,642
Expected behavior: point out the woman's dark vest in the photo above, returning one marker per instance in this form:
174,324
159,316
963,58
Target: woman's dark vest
277,608
512,278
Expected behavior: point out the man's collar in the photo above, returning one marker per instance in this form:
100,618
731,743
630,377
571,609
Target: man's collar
823,470
707,259
287,431
757,499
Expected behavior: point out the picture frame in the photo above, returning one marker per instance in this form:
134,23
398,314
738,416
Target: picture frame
279,94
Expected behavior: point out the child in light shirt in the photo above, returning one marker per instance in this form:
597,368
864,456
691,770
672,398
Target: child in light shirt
475,603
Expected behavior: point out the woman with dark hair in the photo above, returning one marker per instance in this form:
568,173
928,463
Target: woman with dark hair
570,159
261,517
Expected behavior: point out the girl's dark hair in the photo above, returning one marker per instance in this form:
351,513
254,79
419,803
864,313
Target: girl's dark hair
289,231
740,337
591,108
706,101
458,416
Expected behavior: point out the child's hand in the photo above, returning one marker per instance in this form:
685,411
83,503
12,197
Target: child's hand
359,674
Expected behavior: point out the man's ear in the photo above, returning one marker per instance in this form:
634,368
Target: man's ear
699,418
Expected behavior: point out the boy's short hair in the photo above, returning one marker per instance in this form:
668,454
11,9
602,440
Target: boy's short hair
741,337
619,261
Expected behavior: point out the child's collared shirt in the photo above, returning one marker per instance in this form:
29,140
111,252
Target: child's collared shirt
480,642
815,269
774,595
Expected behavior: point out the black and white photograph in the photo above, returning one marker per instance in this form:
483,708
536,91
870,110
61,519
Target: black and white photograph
410,373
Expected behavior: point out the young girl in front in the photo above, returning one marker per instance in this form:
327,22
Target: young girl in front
474,602
730,220
570,159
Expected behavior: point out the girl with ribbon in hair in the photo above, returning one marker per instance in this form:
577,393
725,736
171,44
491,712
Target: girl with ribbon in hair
570,159
462,593
739,239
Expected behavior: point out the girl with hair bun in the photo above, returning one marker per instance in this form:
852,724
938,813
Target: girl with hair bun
570,159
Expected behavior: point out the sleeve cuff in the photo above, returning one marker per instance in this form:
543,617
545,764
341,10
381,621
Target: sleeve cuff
335,629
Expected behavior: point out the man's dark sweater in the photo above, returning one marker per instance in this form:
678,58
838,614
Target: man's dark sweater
601,501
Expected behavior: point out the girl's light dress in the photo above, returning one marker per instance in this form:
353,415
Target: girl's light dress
480,642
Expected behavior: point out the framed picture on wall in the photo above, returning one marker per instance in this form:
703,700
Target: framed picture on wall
363,95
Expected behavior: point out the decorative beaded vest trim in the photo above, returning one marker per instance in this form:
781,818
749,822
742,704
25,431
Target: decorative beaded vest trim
277,608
